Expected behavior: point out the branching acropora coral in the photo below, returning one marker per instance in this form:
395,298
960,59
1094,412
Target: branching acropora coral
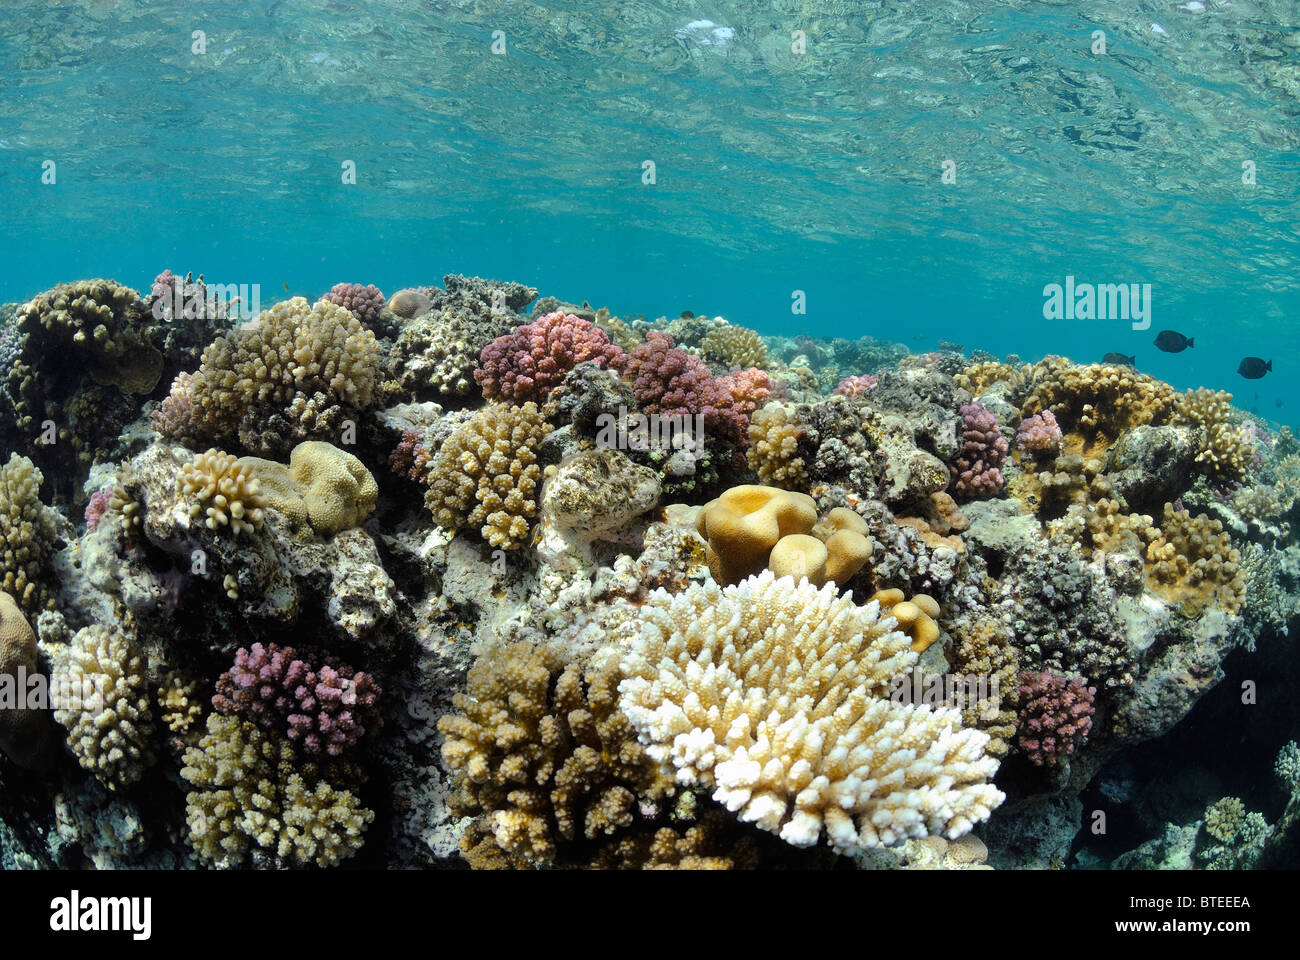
223,491
323,707
775,695
486,475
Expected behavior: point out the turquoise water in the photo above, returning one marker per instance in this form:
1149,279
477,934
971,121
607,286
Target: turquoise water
775,170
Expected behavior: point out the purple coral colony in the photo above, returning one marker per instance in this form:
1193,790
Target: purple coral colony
465,576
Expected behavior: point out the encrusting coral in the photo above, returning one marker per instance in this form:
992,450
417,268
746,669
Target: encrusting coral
110,718
486,475
1194,564
253,803
775,696
322,486
26,535
543,757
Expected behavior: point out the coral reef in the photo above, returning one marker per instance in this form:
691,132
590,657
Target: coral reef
733,346
224,491
24,733
976,471
27,533
774,447
322,486
363,302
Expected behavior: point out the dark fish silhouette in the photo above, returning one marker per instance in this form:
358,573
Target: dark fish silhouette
1171,342
286,285
1252,368
1278,403
1120,358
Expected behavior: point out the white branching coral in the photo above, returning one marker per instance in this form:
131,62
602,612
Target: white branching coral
775,695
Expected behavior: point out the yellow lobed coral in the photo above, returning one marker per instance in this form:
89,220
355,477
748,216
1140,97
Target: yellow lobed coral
733,346
109,722
26,535
773,448
24,734
1193,563
1226,450
542,756
751,528
324,487
486,475
775,695
1101,401
251,797
224,491
292,360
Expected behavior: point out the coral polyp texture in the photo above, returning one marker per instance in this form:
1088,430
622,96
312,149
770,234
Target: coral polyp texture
294,372
775,697
480,576
324,707
529,362
362,301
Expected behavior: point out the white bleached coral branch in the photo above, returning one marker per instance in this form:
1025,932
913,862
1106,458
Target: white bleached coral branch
775,695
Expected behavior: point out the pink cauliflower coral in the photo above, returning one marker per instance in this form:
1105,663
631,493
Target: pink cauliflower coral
668,381
326,708
750,389
1055,715
531,360
1039,434
363,302
977,469
857,385
97,506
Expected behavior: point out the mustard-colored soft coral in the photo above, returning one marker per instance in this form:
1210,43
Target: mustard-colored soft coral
223,492
1227,450
110,720
774,446
486,475
542,755
289,373
776,696
1193,563
734,346
252,800
26,535
1101,401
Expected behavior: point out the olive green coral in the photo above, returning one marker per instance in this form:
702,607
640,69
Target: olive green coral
542,755
1193,563
486,475
252,802
27,535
